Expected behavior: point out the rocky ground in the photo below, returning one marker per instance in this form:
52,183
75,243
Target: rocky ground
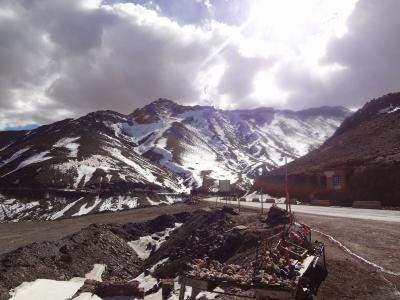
205,232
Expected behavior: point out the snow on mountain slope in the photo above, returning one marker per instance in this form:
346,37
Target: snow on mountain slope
198,142
81,154
67,164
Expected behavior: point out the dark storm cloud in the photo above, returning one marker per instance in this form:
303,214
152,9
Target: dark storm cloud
90,59
369,57
370,52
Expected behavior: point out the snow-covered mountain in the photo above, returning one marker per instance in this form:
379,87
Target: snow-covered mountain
203,142
104,160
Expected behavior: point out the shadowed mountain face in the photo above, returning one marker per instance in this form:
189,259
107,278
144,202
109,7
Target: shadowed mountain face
366,147
93,161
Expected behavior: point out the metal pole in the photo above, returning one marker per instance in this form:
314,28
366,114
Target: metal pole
288,204
262,204
286,187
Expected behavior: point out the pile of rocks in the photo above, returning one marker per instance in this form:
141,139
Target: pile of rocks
213,270
273,268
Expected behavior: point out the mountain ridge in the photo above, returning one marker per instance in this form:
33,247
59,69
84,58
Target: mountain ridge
110,161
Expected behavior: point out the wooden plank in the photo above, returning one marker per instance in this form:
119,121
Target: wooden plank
306,264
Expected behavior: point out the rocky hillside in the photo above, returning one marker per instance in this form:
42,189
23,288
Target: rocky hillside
367,147
110,161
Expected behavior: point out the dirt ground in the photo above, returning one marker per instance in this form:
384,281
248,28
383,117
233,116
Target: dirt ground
15,235
348,278
377,242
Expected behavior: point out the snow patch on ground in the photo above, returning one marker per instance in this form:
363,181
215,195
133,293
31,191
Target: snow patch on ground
69,144
96,273
256,195
144,172
6,146
388,110
14,156
147,282
145,245
151,202
60,213
36,158
84,169
46,289
119,203
14,210
84,210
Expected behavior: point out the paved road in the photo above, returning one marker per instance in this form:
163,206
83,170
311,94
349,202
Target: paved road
342,212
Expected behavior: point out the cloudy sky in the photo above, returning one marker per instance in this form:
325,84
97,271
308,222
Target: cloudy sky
63,58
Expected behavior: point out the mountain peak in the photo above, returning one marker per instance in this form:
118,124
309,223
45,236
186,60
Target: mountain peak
164,101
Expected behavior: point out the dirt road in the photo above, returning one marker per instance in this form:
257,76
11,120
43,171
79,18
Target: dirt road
14,235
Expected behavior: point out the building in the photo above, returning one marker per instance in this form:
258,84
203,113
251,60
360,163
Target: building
329,184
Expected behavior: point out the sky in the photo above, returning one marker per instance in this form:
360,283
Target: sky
62,59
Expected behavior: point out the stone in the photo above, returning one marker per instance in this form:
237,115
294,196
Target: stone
108,289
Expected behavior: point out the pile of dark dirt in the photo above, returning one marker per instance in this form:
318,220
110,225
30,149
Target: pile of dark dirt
209,234
75,255
276,216
133,231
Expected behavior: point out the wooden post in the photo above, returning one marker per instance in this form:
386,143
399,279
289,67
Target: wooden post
195,292
182,290
167,286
